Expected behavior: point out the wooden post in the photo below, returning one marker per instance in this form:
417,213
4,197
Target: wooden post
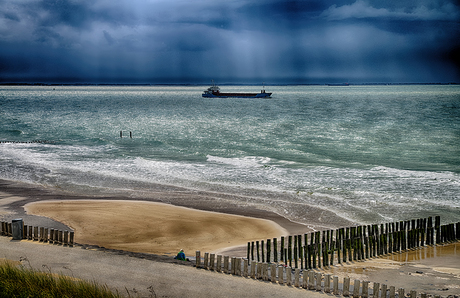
61,240
226,264
300,250
30,233
392,292
295,256
401,292
249,250
252,251
238,266
265,271
319,250
290,250
327,283
429,231
268,250
245,266
71,238
336,285
263,253
275,250
211,261
311,280
45,235
42,232
384,291
365,291
206,261
288,276
66,237
273,272
281,275
305,279
121,134
130,134
318,281
56,236
437,226
376,290
297,278
233,266
198,259
253,269
457,230
346,286
356,287
282,251
219,263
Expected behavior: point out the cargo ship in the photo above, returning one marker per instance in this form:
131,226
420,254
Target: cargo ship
214,91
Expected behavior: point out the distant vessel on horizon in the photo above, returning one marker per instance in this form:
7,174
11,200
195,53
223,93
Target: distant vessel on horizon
339,84
214,91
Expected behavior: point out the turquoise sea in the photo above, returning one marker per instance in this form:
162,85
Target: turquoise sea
367,153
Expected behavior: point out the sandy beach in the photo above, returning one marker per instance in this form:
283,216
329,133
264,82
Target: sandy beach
152,227
157,228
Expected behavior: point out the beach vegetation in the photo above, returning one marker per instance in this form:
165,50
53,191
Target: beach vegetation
19,281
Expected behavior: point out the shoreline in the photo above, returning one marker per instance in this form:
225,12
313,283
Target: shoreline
440,274
15,196
176,196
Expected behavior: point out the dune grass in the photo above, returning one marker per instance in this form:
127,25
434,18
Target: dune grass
18,281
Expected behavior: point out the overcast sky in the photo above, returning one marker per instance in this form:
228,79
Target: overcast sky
239,41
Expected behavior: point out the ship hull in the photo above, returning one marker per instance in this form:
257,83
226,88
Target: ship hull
237,95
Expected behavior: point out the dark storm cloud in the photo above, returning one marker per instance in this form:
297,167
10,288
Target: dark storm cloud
246,41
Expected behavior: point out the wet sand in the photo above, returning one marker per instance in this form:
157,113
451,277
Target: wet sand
431,269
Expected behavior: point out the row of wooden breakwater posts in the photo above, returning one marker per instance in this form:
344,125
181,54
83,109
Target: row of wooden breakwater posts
307,279
279,261
19,231
330,247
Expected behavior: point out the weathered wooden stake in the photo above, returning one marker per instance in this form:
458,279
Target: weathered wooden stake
297,278
327,283
376,290
356,287
384,291
288,276
392,292
206,261
273,272
281,275
365,292
211,261
336,285
346,286
198,259
226,261
219,263
253,269
318,281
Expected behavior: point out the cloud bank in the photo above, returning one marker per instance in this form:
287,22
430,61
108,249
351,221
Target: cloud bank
141,41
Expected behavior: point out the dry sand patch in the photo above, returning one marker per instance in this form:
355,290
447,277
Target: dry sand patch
150,227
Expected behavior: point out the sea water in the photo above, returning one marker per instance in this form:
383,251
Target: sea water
367,153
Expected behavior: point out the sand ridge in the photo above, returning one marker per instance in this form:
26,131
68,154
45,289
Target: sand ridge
151,227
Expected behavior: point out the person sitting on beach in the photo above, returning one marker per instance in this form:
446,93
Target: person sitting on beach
180,256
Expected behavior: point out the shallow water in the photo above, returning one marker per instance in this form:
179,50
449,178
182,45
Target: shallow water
367,153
